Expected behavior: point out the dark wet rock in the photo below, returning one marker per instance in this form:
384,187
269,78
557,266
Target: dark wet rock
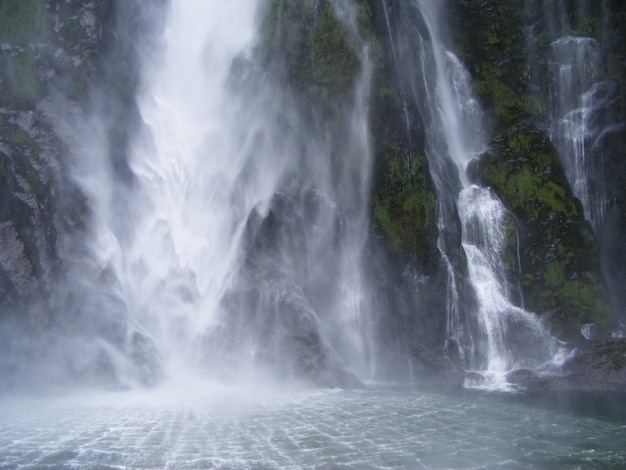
145,359
269,324
596,366
434,370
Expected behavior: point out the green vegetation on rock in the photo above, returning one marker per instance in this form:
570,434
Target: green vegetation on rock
24,21
404,209
403,197
20,182
490,38
307,43
561,276
23,24
19,82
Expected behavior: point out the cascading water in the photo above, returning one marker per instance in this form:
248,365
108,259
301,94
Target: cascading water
189,210
454,122
582,123
222,258
575,88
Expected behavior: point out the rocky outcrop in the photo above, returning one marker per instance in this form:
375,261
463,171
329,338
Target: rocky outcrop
560,267
407,203
595,366
490,38
269,323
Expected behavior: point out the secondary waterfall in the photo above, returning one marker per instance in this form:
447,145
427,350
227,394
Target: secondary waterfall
236,248
454,121
581,97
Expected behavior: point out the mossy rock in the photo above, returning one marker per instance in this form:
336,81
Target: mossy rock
560,264
24,21
19,82
490,39
405,221
404,201
25,192
405,208
23,25
524,169
316,50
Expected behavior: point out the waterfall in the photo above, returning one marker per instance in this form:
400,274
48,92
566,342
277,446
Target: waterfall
575,91
572,57
510,337
197,182
236,247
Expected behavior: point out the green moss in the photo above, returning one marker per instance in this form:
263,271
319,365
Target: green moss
560,260
533,182
384,222
554,197
24,21
315,50
508,105
404,221
520,141
404,206
20,87
581,300
554,275
510,248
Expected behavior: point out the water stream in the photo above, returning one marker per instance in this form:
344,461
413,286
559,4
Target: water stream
581,96
455,121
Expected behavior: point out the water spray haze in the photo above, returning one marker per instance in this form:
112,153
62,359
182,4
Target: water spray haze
212,241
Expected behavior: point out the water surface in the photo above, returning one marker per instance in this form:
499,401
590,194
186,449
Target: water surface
228,427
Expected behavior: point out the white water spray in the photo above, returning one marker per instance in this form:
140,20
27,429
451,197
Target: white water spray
222,149
576,87
189,213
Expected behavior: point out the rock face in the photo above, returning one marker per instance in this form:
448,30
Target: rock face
560,266
47,50
407,203
268,323
52,61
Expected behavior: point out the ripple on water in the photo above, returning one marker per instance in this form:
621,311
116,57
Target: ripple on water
357,429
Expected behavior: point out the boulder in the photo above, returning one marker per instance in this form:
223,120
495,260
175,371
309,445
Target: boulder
595,366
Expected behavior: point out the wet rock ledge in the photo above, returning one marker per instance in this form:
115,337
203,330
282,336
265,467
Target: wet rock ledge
596,366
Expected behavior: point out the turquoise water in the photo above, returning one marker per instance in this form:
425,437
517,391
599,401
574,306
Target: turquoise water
230,427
